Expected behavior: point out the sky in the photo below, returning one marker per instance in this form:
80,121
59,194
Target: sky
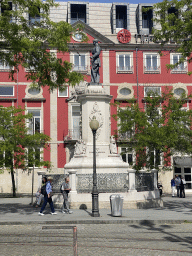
116,1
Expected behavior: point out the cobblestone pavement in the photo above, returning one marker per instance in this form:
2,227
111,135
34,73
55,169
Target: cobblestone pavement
97,239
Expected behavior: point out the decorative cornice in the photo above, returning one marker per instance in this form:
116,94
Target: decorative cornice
7,99
34,99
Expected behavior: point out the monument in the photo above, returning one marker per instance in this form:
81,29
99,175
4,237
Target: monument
112,173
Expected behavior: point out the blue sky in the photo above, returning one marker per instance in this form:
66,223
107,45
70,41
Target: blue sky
117,1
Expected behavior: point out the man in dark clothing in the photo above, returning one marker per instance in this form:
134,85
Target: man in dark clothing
177,183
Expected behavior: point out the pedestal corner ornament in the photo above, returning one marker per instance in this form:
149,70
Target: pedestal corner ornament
97,113
124,36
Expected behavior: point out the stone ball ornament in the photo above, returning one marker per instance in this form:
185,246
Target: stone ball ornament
124,36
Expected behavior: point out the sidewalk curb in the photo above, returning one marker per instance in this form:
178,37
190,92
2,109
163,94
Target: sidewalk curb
140,222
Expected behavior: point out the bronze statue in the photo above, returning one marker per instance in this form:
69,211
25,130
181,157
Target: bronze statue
95,63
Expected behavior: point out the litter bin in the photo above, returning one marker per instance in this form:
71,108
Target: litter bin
116,202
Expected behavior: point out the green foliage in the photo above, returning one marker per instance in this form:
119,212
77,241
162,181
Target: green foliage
24,43
18,148
175,20
161,129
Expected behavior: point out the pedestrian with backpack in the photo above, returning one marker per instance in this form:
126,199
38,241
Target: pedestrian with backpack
46,190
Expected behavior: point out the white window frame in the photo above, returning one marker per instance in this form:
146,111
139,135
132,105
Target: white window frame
127,152
178,69
8,86
72,127
79,3
151,87
4,67
35,109
35,18
151,70
63,96
80,67
131,62
40,116
87,61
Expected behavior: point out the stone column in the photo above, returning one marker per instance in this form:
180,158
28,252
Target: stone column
132,180
155,178
40,176
72,180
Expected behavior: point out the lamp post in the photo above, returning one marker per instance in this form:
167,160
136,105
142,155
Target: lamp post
33,166
94,125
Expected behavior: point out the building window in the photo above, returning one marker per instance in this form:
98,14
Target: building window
78,12
180,68
154,158
35,122
79,62
147,19
76,119
127,155
6,159
124,63
34,156
120,17
151,63
63,93
34,91
179,92
144,19
34,19
152,90
125,91
4,66
6,7
6,90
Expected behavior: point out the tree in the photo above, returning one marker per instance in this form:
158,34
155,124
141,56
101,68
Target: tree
26,38
162,129
174,18
16,142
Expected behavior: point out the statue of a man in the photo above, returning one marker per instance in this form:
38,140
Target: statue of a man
95,62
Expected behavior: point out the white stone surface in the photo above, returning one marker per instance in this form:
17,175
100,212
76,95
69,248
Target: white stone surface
95,102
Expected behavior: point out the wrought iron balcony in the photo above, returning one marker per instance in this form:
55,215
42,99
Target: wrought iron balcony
125,69
151,69
179,69
81,69
71,135
125,136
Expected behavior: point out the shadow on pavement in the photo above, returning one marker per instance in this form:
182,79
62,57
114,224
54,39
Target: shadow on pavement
166,230
17,208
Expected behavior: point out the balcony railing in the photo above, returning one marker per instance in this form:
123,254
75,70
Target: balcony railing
179,69
83,69
72,134
125,136
152,69
126,69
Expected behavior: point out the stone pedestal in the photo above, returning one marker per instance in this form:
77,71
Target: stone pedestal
95,102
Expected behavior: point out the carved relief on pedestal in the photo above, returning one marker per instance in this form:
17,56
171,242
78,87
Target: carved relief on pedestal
80,148
112,146
99,117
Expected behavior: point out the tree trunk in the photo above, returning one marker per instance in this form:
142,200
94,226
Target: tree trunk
13,181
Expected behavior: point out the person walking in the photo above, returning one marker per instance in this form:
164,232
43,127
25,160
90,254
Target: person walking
182,187
39,195
177,184
173,188
65,189
47,190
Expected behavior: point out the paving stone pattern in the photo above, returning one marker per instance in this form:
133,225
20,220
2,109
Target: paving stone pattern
97,239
